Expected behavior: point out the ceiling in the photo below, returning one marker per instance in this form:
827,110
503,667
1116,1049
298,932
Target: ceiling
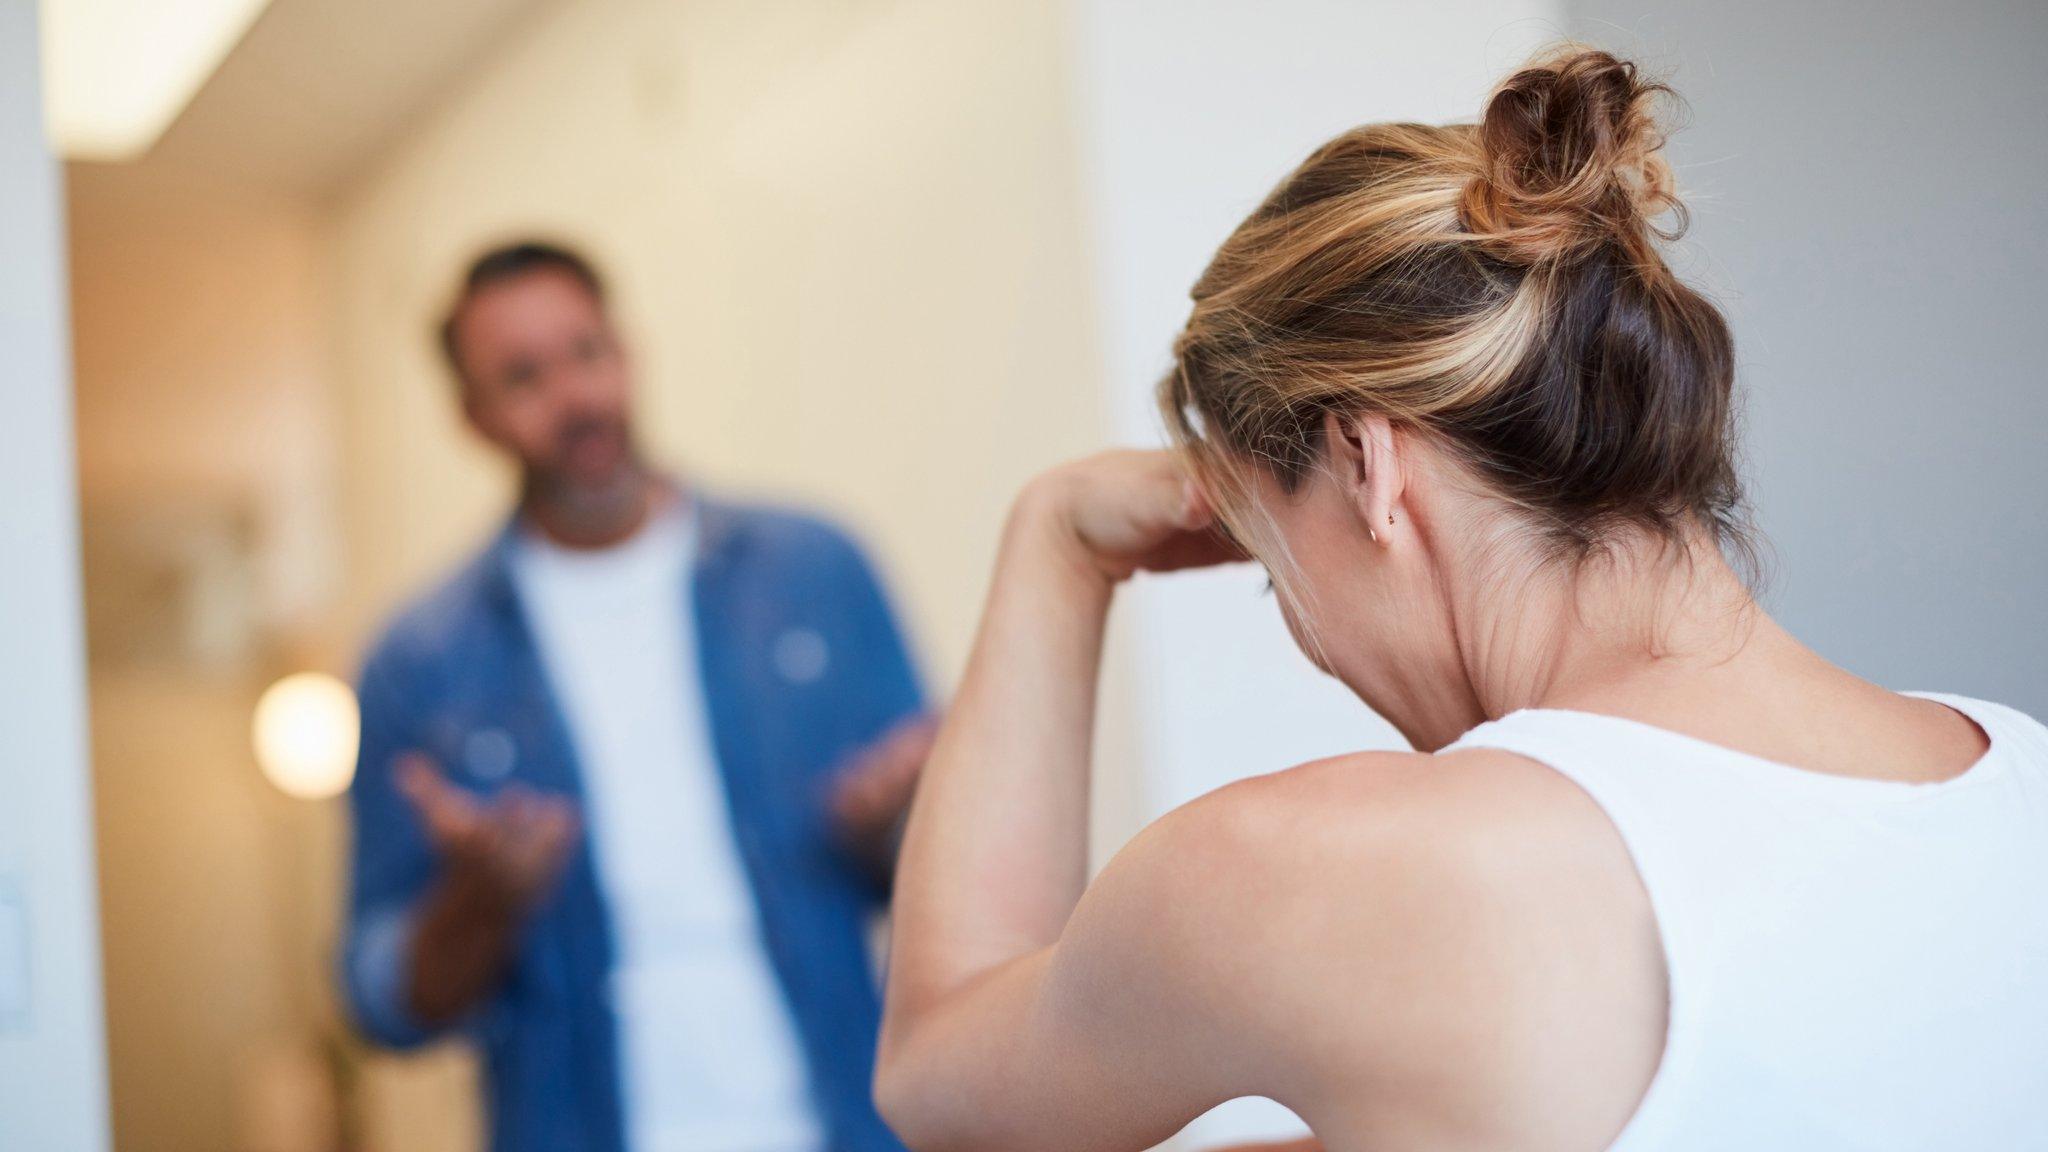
315,90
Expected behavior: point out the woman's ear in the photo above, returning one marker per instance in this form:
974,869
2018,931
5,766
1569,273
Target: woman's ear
1367,462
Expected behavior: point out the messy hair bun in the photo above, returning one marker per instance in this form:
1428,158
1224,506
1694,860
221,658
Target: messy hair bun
1571,157
1499,287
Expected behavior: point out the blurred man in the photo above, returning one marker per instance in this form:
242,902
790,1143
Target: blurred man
630,780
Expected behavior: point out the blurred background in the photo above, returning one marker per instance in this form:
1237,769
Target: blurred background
883,257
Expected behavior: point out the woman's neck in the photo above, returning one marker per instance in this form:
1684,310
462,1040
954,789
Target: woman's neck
1643,607
1561,636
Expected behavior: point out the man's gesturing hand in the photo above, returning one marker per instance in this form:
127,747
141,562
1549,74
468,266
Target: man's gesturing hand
499,858
870,795
512,848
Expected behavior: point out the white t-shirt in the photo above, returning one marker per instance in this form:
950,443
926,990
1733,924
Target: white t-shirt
710,1060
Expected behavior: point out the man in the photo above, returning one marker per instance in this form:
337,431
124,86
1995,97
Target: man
630,781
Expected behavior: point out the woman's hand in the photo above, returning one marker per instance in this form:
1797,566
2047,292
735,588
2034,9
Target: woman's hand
1126,511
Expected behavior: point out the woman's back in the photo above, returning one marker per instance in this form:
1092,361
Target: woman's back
1852,963
1444,385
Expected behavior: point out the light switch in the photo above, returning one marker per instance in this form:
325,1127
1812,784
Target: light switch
13,955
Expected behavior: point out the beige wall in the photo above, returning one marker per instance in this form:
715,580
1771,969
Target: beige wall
209,545
845,241
211,902
844,237
199,333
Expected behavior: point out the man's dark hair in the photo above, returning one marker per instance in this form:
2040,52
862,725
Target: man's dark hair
508,262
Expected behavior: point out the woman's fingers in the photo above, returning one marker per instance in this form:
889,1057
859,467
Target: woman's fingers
1204,548
1179,526
1196,510
1136,510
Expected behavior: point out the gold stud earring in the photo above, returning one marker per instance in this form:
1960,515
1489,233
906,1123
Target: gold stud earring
1374,535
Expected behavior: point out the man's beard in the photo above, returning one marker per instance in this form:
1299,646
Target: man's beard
587,508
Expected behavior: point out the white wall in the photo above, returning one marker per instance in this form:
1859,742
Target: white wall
1192,110
1869,184
52,1063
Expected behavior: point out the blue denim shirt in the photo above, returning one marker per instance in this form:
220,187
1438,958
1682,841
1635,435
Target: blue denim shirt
459,678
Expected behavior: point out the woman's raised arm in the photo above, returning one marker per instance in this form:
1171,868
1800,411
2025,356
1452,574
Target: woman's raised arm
992,1016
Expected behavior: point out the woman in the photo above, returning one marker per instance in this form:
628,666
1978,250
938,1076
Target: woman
1657,877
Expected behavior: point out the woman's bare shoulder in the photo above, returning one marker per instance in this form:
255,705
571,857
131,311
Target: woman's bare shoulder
1417,806
1408,912
1373,861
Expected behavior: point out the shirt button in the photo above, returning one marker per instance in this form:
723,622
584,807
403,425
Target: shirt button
488,754
801,655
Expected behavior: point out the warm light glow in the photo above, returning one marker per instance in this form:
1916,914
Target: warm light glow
117,72
305,733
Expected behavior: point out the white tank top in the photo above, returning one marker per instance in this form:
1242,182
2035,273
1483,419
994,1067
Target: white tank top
1853,964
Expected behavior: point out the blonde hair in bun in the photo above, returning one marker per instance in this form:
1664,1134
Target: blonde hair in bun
1570,155
1498,287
